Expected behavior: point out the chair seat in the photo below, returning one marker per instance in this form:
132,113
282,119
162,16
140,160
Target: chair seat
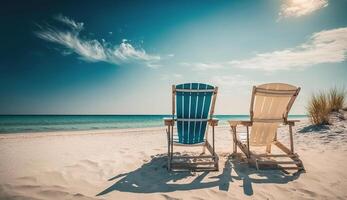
242,137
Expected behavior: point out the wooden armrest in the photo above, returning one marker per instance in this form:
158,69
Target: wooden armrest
234,123
169,121
292,122
213,122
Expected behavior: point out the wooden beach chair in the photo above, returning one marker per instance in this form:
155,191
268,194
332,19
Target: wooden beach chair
270,105
194,104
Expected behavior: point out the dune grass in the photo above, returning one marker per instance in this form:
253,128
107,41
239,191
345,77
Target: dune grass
337,98
318,109
323,103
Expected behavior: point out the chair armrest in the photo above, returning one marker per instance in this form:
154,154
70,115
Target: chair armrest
213,122
169,121
291,122
234,123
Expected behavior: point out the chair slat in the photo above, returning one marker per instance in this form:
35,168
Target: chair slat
194,90
206,108
186,110
179,108
192,115
191,120
201,99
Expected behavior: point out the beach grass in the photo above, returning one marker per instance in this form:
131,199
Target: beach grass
337,98
318,109
321,104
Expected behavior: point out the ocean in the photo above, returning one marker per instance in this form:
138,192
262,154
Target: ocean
49,123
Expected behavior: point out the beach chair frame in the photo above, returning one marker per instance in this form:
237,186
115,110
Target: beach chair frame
256,159
175,162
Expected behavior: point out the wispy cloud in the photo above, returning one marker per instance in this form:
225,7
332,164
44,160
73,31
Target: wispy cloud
297,8
74,25
232,83
173,76
328,46
236,80
199,66
93,50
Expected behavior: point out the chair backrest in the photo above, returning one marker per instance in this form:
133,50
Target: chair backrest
270,105
195,105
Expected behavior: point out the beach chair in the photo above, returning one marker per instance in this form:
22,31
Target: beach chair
194,104
270,105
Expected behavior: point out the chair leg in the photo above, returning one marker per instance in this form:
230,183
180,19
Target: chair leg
248,150
235,147
204,147
215,156
256,164
168,150
233,132
216,161
291,139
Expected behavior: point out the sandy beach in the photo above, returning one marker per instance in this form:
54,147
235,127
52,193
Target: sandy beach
88,88
131,164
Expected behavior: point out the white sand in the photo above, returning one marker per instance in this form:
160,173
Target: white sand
130,164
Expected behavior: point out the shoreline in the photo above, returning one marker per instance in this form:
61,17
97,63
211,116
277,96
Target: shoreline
101,131
77,132
53,124
85,132
106,130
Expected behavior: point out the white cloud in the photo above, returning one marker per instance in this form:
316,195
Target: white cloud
74,25
202,66
126,51
236,80
297,8
328,46
153,65
173,76
233,83
92,50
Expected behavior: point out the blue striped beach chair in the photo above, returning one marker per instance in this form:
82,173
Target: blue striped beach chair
194,104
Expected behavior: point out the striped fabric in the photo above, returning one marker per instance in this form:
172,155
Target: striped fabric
192,111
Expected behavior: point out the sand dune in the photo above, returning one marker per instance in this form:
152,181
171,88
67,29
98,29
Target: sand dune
131,164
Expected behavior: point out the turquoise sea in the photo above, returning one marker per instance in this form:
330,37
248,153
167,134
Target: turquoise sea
47,123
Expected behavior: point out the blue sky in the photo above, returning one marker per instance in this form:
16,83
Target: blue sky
96,57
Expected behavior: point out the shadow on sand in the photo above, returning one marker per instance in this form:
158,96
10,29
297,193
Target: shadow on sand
153,177
250,175
314,128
